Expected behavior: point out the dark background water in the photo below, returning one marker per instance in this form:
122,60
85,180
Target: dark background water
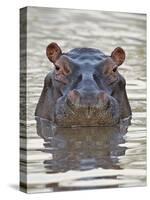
104,158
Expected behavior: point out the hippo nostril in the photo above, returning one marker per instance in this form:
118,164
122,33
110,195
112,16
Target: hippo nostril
74,97
103,99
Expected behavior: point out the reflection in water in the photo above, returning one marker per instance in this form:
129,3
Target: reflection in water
81,148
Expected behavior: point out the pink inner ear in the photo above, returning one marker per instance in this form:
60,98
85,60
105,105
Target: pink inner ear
53,52
118,56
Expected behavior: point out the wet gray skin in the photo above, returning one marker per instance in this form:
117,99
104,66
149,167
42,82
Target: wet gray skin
85,88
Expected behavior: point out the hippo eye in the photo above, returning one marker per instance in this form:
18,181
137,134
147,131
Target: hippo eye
114,69
57,67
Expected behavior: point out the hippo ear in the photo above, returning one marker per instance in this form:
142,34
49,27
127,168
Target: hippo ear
53,52
118,56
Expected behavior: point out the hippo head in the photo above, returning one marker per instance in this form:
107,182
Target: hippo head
84,89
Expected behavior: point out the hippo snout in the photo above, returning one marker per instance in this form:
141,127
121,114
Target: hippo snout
99,99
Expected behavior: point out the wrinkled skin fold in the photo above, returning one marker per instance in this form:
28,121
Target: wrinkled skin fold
84,89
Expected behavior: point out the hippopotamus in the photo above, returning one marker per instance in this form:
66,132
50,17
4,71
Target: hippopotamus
84,88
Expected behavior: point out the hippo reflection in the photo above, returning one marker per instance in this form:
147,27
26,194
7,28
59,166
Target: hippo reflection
81,148
85,89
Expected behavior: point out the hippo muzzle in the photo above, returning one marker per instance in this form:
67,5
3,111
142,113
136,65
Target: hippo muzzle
87,108
85,89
